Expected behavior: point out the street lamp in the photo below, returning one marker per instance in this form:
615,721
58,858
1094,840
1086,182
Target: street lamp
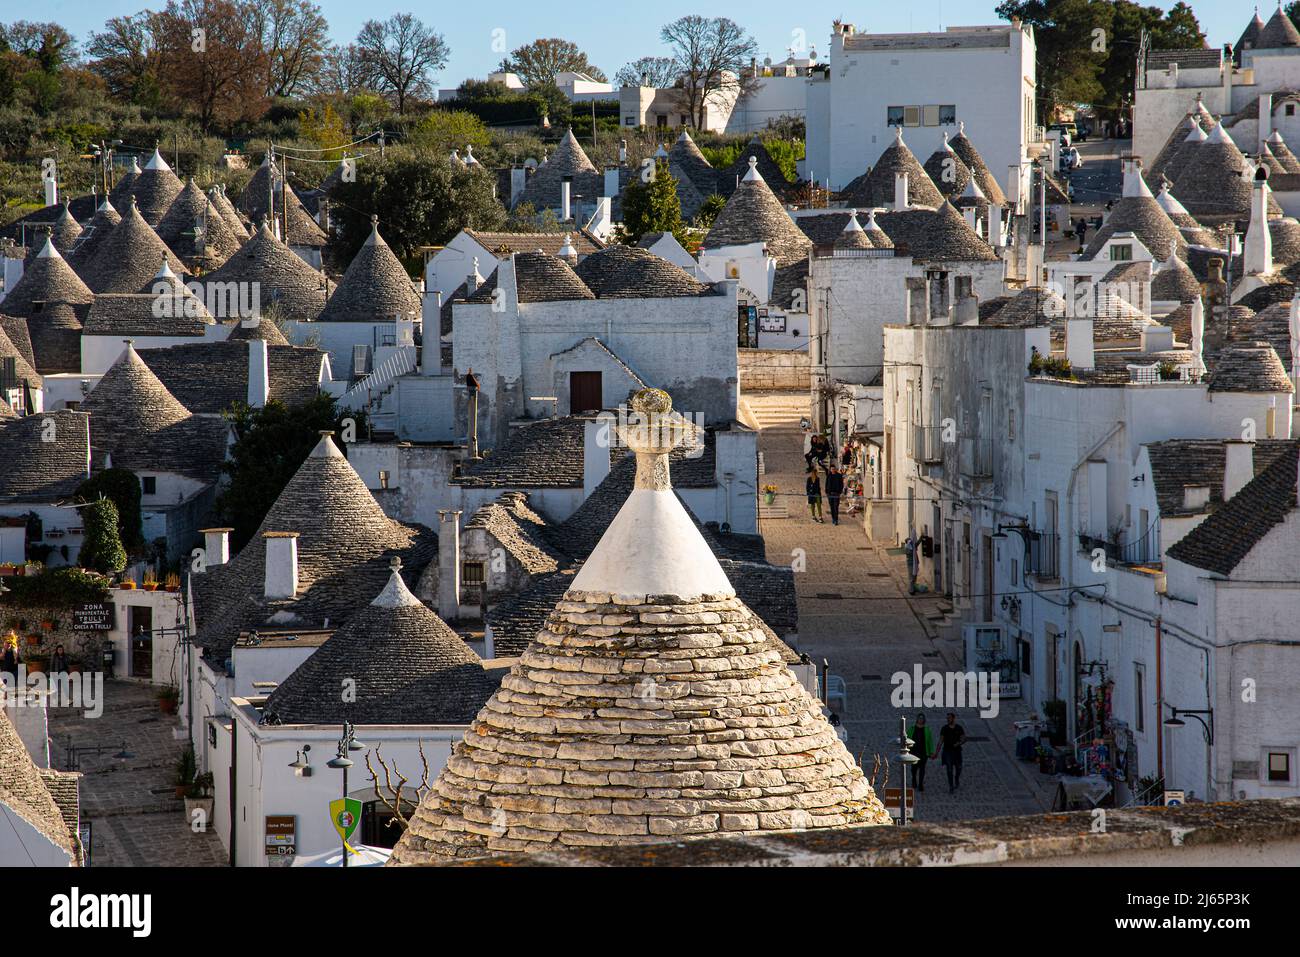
906,758
1207,728
341,762
302,763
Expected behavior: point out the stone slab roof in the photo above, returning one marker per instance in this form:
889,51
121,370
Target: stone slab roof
24,792
520,531
538,278
543,454
1176,463
1221,542
626,272
211,377
36,470
375,287
502,244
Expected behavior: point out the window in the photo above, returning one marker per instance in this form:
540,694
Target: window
472,573
1290,109
149,485
911,116
948,115
383,478
1139,697
894,116
1278,767
629,121
930,115
1121,252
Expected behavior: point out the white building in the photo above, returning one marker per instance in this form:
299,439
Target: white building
928,83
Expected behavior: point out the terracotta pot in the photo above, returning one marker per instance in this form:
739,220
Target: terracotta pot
35,665
172,589
150,586
126,586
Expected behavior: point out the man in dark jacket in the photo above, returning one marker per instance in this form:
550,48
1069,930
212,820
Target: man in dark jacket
834,489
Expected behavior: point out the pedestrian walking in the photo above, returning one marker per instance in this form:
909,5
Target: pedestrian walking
813,487
951,737
1081,230
817,450
834,489
923,747
846,458
909,550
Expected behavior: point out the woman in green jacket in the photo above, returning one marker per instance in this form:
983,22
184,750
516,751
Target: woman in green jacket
924,749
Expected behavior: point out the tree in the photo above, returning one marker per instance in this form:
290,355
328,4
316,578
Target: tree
709,209
445,130
270,446
128,58
324,127
656,71
101,546
122,488
537,63
47,44
652,206
213,60
343,72
713,53
421,199
401,54
295,36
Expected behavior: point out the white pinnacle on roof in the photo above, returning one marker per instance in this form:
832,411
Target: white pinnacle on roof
1276,137
853,226
898,134
1134,184
373,238
1198,334
48,251
567,251
973,191
946,145
455,158
871,221
1219,135
753,173
395,593
469,155
652,547
156,161
165,272
1170,203
1196,135
661,153
135,165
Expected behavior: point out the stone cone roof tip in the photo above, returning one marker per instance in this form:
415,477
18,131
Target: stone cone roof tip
645,716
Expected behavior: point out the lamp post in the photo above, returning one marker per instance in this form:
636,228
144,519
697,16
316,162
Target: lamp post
906,758
1207,728
342,762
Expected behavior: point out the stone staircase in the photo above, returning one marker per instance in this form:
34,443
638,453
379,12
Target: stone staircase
778,410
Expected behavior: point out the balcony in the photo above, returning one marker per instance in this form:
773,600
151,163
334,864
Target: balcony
929,444
1141,551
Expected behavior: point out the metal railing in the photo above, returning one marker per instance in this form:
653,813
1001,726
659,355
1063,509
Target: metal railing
1144,550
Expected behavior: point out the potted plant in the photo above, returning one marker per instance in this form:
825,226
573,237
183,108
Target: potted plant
199,798
126,584
172,582
168,699
769,494
150,581
185,768
1046,760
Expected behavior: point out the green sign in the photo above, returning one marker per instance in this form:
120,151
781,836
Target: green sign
345,814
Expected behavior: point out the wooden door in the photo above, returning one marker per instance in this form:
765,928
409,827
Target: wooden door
585,393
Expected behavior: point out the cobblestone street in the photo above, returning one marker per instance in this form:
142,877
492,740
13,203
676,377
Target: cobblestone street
136,819
854,611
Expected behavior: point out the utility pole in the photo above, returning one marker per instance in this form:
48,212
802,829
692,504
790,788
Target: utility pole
284,198
270,187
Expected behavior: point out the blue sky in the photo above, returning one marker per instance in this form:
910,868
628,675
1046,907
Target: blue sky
612,32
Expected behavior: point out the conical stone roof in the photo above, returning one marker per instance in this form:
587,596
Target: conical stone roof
1272,162
155,189
1249,37
1278,33
9,349
253,202
1174,281
105,219
65,232
56,338
853,236
685,159
1277,146
754,214
282,276
258,328
543,190
228,213
947,170
129,256
407,665
1192,231
1139,213
196,231
877,189
651,707
879,238
47,278
120,194
375,287
961,145
768,168
1156,168
1285,233
1182,156
1211,185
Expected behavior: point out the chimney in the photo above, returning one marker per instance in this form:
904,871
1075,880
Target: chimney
1078,343
1265,120
611,181
448,564
1157,338
1259,241
1238,466
918,300
259,376
566,198
281,580
970,214
518,180
216,546
51,191
597,436
622,152
997,238
900,191
473,280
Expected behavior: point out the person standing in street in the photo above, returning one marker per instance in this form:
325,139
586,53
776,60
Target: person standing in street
813,487
909,550
951,737
834,489
923,748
